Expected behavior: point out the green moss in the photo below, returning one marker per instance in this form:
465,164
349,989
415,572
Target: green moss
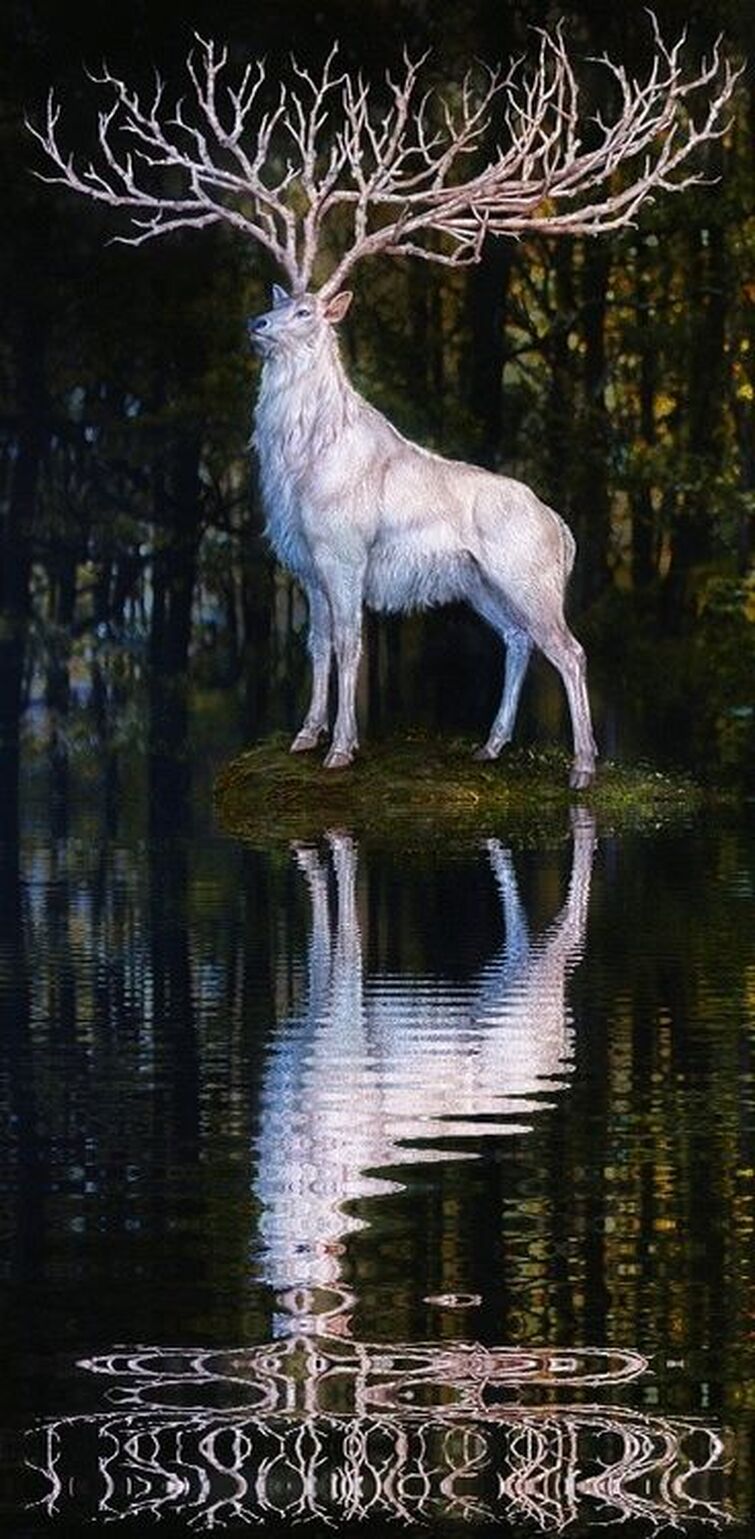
420,788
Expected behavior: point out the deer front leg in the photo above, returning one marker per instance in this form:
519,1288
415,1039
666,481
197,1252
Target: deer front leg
344,585
319,643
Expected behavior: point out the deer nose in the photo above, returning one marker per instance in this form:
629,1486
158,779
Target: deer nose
257,322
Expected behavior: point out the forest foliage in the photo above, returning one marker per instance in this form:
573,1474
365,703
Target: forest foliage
614,375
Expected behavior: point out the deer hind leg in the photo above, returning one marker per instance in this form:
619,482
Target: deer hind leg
565,653
518,650
319,644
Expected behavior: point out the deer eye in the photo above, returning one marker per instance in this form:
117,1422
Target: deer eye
303,310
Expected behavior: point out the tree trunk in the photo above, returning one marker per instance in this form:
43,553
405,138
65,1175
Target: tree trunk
419,324
174,571
707,375
560,404
15,542
437,349
593,509
643,567
487,300
743,406
58,684
257,606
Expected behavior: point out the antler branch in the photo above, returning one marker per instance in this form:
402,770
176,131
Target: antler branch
388,170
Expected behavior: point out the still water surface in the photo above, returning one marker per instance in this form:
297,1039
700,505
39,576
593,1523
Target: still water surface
352,1185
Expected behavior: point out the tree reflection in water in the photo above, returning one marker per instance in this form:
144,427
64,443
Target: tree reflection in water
370,1074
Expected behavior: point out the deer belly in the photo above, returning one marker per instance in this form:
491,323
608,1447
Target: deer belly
401,578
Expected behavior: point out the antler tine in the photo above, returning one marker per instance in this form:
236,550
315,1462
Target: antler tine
403,172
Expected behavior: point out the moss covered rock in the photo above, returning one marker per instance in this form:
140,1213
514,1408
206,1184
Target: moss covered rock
419,788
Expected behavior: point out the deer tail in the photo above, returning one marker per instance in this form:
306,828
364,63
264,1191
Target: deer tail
568,546
569,549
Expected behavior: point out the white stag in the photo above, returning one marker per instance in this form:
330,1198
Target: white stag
359,514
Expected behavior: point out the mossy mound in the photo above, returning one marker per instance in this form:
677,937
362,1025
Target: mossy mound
419,788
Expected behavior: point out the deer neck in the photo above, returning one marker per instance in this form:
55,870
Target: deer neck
305,403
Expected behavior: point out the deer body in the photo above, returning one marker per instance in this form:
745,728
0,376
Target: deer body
362,516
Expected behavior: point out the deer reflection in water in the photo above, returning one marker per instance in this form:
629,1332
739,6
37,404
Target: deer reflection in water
375,1069
317,1426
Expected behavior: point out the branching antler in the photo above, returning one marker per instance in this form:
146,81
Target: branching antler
391,171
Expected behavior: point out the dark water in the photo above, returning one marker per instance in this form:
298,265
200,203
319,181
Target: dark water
357,1187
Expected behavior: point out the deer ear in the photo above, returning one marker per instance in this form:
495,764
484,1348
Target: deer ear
335,308
280,297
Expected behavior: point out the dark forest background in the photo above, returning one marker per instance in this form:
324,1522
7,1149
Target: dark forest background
615,375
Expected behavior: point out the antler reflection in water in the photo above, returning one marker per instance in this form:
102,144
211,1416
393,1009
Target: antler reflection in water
336,1430
376,1068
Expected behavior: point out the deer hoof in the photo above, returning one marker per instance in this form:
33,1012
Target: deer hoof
485,755
306,857
338,758
580,778
306,740
340,840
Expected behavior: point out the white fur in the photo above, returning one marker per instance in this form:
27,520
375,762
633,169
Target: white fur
361,515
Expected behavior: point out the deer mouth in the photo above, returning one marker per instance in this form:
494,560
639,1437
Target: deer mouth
259,334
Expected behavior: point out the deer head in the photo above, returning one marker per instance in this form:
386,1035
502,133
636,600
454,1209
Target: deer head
324,171
297,322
